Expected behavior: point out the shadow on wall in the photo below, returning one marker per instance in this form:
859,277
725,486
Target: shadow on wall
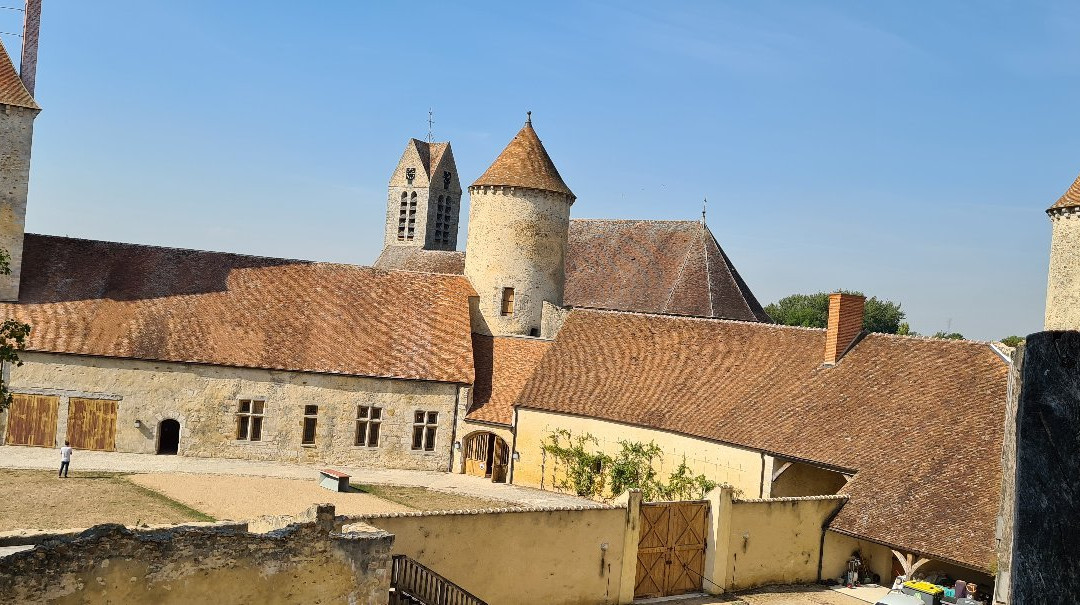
68,269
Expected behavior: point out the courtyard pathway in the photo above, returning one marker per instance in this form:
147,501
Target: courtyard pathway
45,458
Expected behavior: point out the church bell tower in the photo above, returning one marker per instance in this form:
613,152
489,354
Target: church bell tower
424,199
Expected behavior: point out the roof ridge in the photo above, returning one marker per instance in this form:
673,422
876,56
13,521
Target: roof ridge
698,318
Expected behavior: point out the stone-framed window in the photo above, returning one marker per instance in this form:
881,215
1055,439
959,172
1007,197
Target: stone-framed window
507,305
425,427
311,421
446,176
368,425
249,419
410,174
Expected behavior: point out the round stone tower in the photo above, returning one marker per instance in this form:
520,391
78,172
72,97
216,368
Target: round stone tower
1063,285
519,216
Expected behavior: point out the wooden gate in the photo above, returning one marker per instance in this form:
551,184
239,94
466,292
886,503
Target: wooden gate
92,424
32,420
486,455
671,548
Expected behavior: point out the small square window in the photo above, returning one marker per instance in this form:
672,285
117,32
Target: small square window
311,410
507,301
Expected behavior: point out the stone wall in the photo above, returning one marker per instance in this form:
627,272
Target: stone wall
775,541
517,239
1046,536
204,399
16,137
542,556
1007,507
1063,282
302,563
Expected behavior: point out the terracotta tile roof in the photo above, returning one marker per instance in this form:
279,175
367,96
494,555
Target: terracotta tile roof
412,258
503,365
1070,199
12,90
674,267
123,300
524,163
920,420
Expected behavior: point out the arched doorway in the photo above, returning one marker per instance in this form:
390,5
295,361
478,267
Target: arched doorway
486,455
168,436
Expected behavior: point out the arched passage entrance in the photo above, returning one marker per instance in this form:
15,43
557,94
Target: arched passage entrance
168,436
486,455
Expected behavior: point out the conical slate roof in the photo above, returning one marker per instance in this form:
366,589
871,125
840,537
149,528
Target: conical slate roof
1071,199
12,90
525,163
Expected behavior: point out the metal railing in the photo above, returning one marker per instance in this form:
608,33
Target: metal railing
413,584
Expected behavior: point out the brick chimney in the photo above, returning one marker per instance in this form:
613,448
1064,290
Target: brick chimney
845,324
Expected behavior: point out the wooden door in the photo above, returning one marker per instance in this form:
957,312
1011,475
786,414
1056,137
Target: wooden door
476,454
32,420
671,548
92,424
500,461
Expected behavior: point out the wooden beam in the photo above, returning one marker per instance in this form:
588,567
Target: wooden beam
780,471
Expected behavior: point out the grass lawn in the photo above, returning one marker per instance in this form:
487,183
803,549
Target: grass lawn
37,499
420,498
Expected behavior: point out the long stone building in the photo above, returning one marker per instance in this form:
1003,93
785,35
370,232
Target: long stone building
621,329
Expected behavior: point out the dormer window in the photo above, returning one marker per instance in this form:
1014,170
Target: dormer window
446,176
410,174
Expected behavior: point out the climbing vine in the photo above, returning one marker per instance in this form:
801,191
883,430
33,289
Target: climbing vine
580,467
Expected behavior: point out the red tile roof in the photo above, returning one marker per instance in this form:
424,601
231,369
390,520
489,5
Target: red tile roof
524,163
503,366
143,302
674,267
920,420
12,90
1070,199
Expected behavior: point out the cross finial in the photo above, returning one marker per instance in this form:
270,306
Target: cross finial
704,203
528,118
430,123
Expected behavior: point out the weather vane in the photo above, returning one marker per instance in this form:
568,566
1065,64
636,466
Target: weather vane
430,123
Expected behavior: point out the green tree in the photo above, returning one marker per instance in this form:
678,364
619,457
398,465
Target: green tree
947,336
13,335
812,311
1012,341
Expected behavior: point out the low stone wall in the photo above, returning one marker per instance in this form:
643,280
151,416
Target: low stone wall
547,556
303,562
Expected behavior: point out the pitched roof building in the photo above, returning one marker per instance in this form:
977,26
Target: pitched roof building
896,412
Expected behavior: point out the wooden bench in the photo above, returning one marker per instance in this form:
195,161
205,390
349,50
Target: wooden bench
333,480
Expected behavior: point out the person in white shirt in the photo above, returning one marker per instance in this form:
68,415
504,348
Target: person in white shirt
65,459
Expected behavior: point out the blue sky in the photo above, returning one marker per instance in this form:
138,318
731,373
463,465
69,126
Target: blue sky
905,149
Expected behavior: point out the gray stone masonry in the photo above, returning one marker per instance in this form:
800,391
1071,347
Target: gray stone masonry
1046,536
